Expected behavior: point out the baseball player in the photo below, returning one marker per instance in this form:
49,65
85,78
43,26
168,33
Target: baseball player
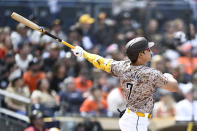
139,82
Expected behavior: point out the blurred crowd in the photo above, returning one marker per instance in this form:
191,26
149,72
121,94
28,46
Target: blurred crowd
35,66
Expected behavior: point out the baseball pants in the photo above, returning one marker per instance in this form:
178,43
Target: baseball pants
130,121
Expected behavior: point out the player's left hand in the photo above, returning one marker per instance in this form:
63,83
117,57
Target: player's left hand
78,51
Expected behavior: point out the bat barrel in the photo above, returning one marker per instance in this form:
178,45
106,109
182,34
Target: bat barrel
25,21
34,26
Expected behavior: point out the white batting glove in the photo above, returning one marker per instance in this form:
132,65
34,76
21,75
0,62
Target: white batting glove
78,51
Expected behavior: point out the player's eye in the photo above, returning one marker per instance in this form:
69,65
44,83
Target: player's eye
148,49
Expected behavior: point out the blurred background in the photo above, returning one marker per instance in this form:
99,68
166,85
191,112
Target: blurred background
44,86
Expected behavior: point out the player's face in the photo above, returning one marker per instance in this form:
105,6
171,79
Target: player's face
147,55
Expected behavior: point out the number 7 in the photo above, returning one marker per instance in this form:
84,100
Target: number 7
129,85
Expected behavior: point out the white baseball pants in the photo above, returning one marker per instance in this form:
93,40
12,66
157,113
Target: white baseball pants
131,122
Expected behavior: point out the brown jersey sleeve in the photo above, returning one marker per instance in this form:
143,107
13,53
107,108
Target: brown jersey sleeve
160,79
118,67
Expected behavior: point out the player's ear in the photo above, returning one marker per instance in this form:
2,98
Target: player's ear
140,54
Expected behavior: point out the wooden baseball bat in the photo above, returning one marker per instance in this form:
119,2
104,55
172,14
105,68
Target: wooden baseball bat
34,26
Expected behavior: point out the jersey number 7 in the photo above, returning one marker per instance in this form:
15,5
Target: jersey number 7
129,85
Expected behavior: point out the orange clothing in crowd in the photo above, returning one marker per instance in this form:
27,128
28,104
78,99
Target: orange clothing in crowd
189,64
31,81
31,128
104,95
2,52
82,86
90,105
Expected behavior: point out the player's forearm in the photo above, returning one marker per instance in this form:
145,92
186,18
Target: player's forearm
98,61
172,84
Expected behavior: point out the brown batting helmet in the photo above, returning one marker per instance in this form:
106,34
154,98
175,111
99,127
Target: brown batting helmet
135,46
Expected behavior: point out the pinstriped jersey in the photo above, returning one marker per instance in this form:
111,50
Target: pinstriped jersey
139,84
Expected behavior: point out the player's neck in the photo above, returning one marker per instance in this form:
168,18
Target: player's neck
139,63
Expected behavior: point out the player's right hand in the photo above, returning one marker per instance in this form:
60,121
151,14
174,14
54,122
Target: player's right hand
78,51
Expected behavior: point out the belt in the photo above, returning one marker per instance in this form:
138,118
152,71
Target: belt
140,114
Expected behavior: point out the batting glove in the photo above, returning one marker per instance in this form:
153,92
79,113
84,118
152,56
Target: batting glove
78,51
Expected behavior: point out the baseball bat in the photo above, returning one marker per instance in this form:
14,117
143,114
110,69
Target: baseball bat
34,26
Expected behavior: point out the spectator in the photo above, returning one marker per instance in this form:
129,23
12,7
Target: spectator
186,109
24,57
105,31
167,37
37,123
179,25
101,80
70,98
6,66
82,83
6,31
165,107
56,29
17,87
45,99
152,30
126,22
58,75
74,35
179,74
35,37
187,60
33,75
19,36
53,56
94,105
116,100
85,24
113,50
158,62
5,42
8,47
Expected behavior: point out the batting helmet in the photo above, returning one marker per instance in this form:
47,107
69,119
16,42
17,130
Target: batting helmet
135,46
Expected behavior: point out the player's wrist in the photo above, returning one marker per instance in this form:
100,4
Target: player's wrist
78,51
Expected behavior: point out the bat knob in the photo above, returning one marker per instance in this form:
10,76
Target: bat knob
41,29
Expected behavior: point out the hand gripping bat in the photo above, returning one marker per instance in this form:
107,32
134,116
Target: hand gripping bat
34,26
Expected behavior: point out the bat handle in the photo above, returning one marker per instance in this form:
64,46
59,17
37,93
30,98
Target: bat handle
58,39
67,44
